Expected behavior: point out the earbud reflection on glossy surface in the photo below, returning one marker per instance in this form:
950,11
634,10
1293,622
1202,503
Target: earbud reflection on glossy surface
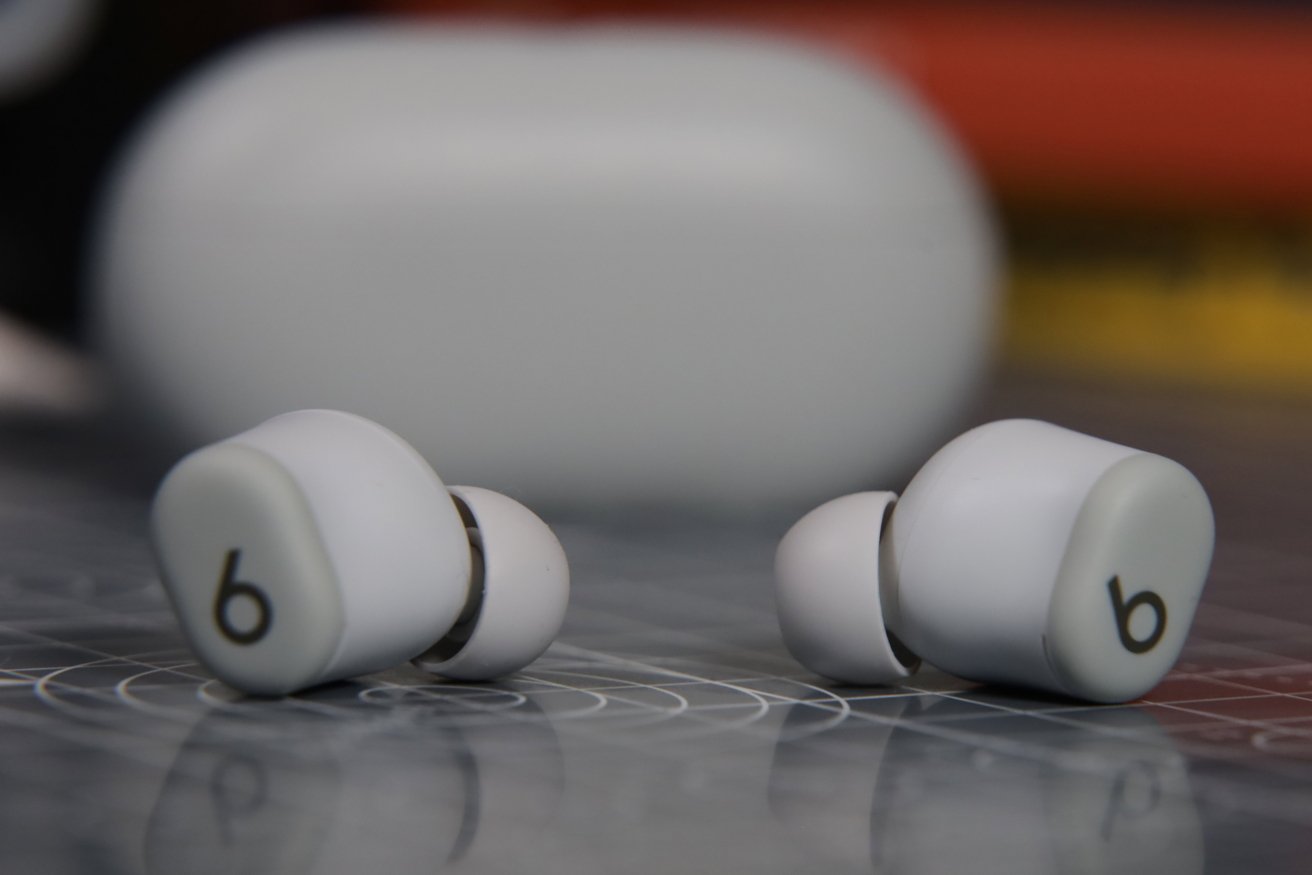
434,787
926,793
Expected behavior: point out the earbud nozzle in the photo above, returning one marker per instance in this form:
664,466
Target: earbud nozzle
524,592
827,584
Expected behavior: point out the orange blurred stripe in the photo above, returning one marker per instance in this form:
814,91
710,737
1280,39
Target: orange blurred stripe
1178,105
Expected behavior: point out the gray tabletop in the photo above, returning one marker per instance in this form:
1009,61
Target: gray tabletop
667,729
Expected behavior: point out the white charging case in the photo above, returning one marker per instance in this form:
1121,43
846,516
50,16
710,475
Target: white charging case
581,266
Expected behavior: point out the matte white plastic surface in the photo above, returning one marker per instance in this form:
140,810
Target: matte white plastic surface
827,590
978,541
1130,580
525,590
1006,545
582,266
388,524
1021,553
244,564
322,527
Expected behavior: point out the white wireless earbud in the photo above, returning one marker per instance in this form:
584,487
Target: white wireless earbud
319,545
1021,553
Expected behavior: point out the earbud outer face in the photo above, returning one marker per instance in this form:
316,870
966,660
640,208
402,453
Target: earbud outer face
319,545
1030,554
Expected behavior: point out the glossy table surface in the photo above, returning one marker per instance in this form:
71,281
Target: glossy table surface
667,730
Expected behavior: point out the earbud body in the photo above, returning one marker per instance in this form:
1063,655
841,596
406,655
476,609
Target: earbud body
1022,553
319,545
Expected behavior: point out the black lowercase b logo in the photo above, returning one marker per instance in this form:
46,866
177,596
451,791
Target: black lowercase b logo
1124,610
231,588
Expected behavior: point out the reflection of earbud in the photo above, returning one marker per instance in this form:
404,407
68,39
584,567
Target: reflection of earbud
1021,553
824,773
243,798
319,545
239,788
337,793
1107,795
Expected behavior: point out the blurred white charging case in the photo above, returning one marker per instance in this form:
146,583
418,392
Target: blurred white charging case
580,266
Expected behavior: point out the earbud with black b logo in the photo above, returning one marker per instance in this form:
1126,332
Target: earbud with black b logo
1022,553
319,545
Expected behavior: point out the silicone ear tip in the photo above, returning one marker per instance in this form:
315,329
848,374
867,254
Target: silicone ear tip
827,584
524,594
